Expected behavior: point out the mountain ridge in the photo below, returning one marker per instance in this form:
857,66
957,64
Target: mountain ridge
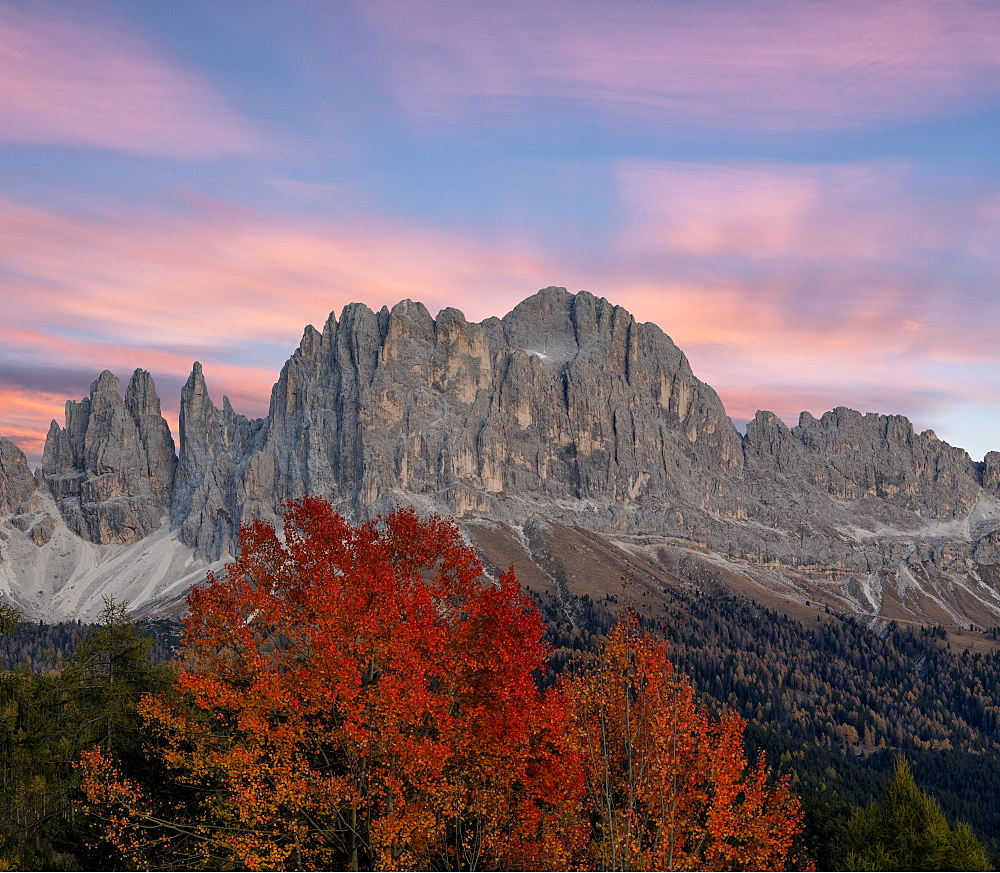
566,411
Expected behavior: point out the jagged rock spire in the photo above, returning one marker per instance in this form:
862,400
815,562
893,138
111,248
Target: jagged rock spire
111,467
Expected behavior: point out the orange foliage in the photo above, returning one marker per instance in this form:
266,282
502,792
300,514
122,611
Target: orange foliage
362,697
669,788
358,696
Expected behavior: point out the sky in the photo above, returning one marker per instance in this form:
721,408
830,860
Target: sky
804,195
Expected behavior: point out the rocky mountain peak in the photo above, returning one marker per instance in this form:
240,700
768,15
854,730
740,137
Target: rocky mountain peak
143,405
111,467
213,441
991,472
874,460
564,415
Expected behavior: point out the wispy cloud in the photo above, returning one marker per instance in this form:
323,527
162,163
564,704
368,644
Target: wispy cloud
223,285
64,81
833,255
726,64
26,414
789,287
807,287
238,274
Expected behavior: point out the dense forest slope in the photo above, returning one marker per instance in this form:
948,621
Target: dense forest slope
832,701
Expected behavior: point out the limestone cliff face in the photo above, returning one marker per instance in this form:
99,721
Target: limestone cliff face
565,409
16,481
111,468
565,401
875,461
213,442
864,496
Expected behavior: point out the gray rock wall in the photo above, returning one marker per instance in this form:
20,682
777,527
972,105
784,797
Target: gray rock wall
16,482
566,399
213,443
566,408
111,467
876,462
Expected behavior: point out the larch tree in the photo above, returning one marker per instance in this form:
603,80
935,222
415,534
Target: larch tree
668,786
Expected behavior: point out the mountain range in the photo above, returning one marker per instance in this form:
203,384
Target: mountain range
566,438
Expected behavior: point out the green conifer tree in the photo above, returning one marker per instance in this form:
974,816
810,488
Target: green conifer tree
10,618
47,720
908,831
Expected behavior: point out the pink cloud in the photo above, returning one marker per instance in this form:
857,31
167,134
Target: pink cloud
223,285
66,82
772,66
820,258
769,211
236,274
809,287
787,287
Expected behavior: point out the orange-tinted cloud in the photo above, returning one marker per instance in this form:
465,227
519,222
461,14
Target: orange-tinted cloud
69,82
816,286
226,286
25,417
770,66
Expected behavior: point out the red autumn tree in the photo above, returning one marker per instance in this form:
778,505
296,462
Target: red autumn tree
363,697
353,697
669,788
